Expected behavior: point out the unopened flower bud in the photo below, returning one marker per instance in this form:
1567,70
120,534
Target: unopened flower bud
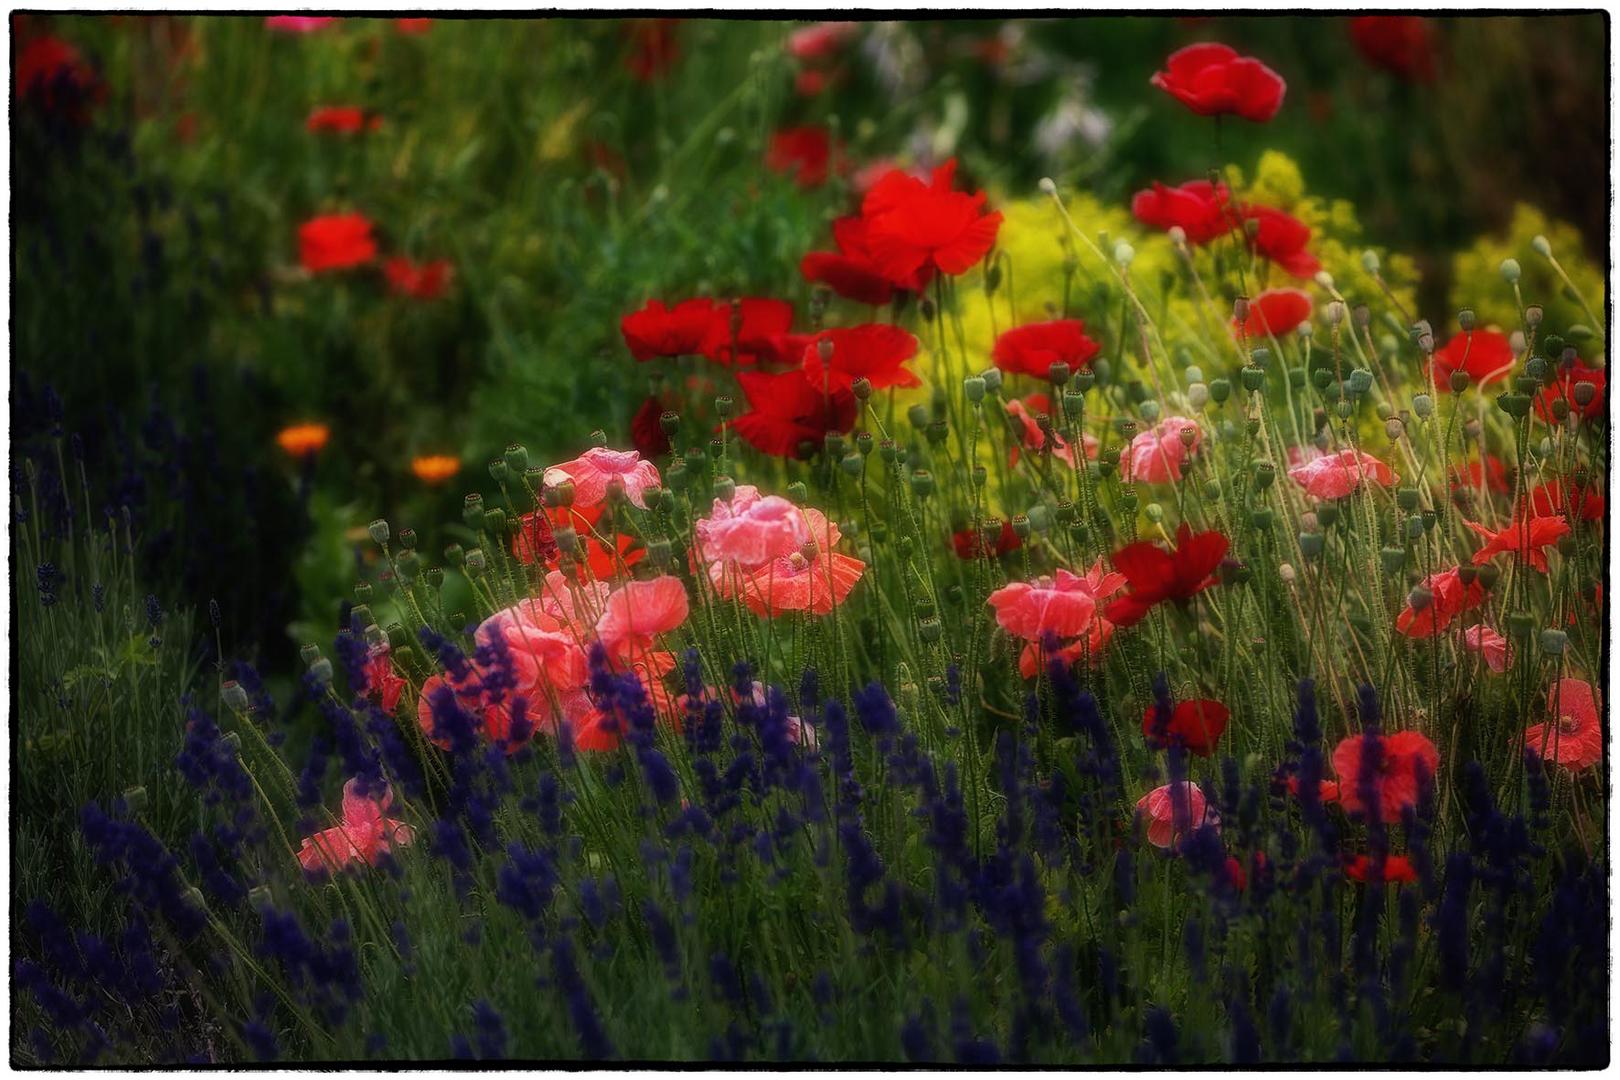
992,379
1532,316
1124,254
852,464
798,494
1220,390
1178,236
1369,261
1154,512
1325,280
1150,412
1423,406
1540,246
1553,642
1198,395
1510,271
1240,309
1465,320
973,387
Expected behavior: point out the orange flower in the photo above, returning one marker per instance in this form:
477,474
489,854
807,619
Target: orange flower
303,440
435,469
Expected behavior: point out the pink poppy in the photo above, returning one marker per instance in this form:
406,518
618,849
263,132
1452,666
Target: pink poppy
1489,644
1574,739
1156,455
638,611
750,529
1064,606
1159,806
820,40
365,834
1333,476
597,468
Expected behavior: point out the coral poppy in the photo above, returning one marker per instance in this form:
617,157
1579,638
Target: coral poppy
647,429
1449,596
1199,208
1564,387
787,411
433,469
421,281
852,272
815,579
1032,349
298,24
1485,355
1401,761
1282,238
876,352
1035,658
336,119
302,440
1400,44
1063,606
657,330
971,544
1156,455
751,331
1549,499
808,154
366,833
598,469
1574,737
912,225
1156,575
335,242
1397,870
1195,725
1489,644
1525,537
636,612
1171,813
1275,311
1213,80
1333,476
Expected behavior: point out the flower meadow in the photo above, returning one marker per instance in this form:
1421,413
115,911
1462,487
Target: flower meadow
849,542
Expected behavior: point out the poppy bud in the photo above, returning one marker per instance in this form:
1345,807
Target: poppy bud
1520,625
1369,262
797,493
1153,512
1039,519
1240,309
1324,279
234,697
1124,254
1553,345
1532,316
379,532
1472,430
1197,395
1580,332
1423,405
1393,559
973,387
1150,413
1361,316
1516,342
1425,344
1459,381
922,483
1178,236
1510,271
918,415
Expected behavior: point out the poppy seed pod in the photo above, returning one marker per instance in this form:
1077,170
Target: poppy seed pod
889,451
454,555
1286,572
1515,405
1465,320
1220,390
1553,642
1360,381
1472,430
1021,526
1459,381
864,442
1153,512
1532,316
1058,373
798,494
1264,473
922,483
361,617
1084,381
1423,406
1327,514
1212,491
724,406
560,495
1253,378
918,415
362,592
379,532
1414,527
517,457
234,697
1334,315
1419,599
929,630
1261,519
1510,271
937,432
1393,428
1311,544
1128,503
973,386
1178,236
599,437
992,380
1198,395
320,672
852,464
1324,279
1584,393
1150,413
1520,625
835,443
478,562
407,539
926,307
433,577
1392,558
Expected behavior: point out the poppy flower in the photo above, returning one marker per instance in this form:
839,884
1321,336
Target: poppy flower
335,242
1549,499
1213,80
1489,644
749,530
1564,387
598,556
1173,811
1574,737
381,681
298,24
1527,537
1333,476
1397,870
1155,575
787,411
412,26
1198,208
1195,725
53,73
912,225
808,154
534,541
1449,597
636,612
1063,606
421,281
820,41
1156,455
597,469
815,579
1404,759
653,48
433,469
336,119
876,352
302,440
1032,349
1491,475
1031,436
1281,238
1400,44
970,543
1485,355
756,330
1275,311
1036,658
657,330
1327,791
647,429
366,833
852,272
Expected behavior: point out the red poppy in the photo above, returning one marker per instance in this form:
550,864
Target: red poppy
970,543
1278,311
335,242
1526,537
820,40
1195,725
810,82
876,352
1156,575
1213,80
853,272
787,410
808,153
1197,207
412,26
1397,870
1549,499
1564,387
1448,598
535,541
914,225
1484,354
1401,44
1402,761
336,119
1492,475
656,330
1327,791
653,48
1033,349
762,333
53,73
647,429
1281,237
422,281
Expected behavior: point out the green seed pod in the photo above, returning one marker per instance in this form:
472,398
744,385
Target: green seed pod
1252,426
495,521
379,532
862,388
1344,410
1085,380
1127,503
517,458
724,488
937,432
1520,625
1489,575
472,511
1392,558
1407,498
1414,526
433,577
1220,390
1253,378
1059,373
1423,406
1153,512
498,471
853,465
1149,411
992,380
918,415
1264,474
929,630
362,592
1420,598
1526,384
669,422
1021,526
1212,491
980,476
798,494
1510,271
1515,405
1459,381
1311,544
1327,514
1261,519
973,387
888,451
922,483
864,442
1554,642
1360,381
